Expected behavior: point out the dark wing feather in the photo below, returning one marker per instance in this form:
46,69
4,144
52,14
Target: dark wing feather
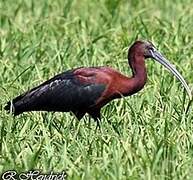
63,93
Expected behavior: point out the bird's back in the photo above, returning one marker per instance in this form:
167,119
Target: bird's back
64,92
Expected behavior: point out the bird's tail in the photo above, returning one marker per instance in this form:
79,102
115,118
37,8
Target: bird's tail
16,106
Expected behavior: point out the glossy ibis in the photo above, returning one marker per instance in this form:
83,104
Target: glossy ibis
88,89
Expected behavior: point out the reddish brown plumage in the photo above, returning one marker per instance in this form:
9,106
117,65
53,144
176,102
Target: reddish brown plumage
117,84
87,90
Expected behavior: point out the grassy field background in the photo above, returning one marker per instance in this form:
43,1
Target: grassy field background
145,136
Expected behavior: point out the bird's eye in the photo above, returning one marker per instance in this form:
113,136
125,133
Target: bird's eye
152,49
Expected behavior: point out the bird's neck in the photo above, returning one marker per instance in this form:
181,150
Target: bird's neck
139,78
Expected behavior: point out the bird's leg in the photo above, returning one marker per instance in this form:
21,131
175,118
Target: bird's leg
95,114
98,120
89,122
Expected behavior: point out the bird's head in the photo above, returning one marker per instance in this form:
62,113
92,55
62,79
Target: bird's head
143,48
148,50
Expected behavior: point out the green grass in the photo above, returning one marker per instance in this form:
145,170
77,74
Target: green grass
145,136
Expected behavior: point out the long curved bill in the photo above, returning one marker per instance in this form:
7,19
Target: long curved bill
158,57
